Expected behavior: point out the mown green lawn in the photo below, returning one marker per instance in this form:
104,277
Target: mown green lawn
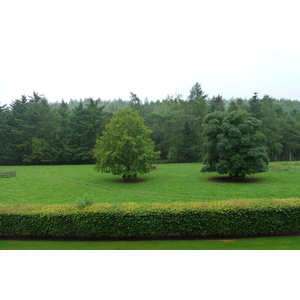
266,243
169,183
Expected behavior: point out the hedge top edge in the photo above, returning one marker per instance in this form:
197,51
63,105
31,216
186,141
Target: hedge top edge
252,204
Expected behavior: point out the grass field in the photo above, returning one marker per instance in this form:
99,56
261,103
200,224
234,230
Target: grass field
267,243
169,183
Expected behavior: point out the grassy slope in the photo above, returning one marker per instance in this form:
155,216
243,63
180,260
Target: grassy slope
170,183
269,243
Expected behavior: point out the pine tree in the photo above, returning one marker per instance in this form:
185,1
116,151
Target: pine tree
216,104
255,106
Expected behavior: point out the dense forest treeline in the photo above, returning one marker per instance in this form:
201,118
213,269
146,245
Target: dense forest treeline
34,131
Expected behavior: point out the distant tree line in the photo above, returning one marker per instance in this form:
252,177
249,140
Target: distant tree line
34,131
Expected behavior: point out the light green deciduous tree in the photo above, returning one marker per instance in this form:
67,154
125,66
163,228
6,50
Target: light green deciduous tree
125,147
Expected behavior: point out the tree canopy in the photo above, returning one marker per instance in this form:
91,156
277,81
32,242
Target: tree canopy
234,144
35,131
125,147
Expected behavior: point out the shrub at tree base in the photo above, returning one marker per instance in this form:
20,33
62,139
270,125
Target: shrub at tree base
176,220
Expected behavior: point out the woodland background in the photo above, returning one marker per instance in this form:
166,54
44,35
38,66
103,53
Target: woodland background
35,131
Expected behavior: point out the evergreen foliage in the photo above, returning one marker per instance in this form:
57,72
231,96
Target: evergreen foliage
216,104
255,106
159,220
234,145
34,131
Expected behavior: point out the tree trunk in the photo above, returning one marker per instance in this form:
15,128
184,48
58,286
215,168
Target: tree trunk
130,178
236,176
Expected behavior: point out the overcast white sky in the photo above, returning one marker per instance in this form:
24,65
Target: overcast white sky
107,49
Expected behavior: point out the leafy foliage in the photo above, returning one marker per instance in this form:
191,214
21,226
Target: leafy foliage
84,203
235,145
34,131
131,220
125,147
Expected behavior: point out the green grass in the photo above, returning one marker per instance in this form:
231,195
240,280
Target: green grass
267,243
169,183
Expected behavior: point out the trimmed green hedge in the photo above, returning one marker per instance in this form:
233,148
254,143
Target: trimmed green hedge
157,220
